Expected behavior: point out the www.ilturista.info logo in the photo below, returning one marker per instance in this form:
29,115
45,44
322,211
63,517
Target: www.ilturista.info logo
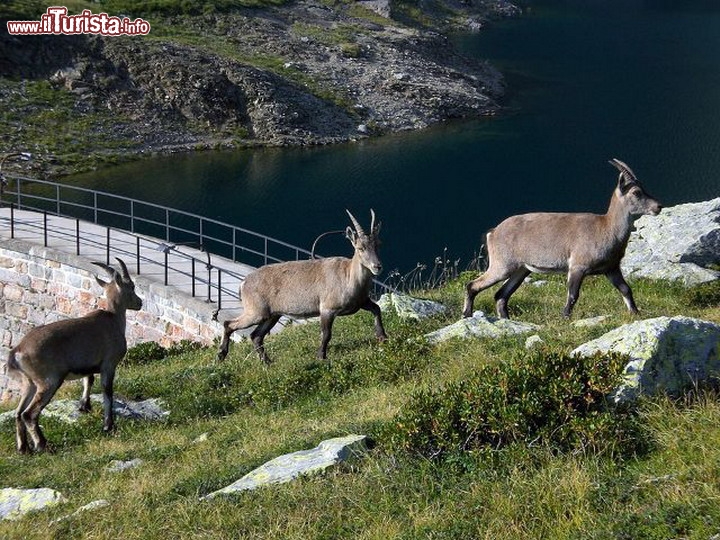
56,21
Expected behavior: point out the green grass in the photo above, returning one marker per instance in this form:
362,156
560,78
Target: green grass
670,488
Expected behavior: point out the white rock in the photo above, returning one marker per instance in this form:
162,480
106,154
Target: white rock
592,321
479,325
117,465
67,409
408,307
533,341
100,503
666,354
15,502
678,244
289,466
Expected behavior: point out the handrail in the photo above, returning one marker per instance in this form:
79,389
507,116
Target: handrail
140,220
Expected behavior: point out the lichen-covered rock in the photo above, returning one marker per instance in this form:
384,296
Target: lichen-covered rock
480,325
94,505
591,321
533,341
408,307
67,409
289,466
15,502
117,465
666,354
678,244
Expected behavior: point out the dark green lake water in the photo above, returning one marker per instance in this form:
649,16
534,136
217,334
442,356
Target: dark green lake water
587,80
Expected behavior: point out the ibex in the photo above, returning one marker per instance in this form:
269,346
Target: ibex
325,287
580,244
72,349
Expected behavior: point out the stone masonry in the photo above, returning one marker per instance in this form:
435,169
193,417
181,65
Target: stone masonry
40,285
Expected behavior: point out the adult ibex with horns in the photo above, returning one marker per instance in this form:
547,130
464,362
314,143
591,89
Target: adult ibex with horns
580,244
324,287
72,349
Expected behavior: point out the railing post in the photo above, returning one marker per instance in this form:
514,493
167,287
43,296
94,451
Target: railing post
57,199
192,271
12,220
77,237
266,250
166,267
107,247
209,280
95,208
17,183
219,302
137,254
45,228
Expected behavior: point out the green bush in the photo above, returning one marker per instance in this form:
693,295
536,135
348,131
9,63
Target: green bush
542,397
704,295
151,351
144,353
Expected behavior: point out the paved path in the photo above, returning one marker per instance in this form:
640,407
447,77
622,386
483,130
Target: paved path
143,255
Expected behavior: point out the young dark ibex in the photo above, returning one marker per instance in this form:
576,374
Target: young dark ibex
579,244
72,349
325,287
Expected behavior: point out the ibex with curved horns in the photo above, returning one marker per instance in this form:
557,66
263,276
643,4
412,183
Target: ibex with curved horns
580,244
325,287
72,349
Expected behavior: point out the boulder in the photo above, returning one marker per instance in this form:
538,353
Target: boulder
289,466
480,325
667,354
408,307
15,503
678,244
67,409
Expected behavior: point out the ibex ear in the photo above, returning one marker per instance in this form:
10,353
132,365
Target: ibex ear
351,235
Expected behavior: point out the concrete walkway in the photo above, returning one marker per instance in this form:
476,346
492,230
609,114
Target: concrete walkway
143,255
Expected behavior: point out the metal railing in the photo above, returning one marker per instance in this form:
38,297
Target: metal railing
132,226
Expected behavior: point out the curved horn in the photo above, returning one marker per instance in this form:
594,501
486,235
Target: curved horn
355,223
125,273
625,171
109,269
372,221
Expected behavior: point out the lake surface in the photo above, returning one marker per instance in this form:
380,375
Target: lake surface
587,80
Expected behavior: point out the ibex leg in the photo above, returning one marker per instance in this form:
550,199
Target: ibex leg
509,287
28,392
326,322
245,320
85,399
258,336
373,308
30,415
488,279
618,281
575,279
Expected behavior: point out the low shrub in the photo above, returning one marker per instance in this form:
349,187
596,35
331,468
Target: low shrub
541,397
151,351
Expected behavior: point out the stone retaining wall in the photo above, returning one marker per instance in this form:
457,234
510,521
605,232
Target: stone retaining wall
40,285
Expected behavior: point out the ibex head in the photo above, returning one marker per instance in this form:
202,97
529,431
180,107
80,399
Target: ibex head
366,245
120,291
632,194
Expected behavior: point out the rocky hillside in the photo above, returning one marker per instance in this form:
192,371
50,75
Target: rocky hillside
302,73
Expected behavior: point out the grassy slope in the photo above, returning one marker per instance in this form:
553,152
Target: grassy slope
252,413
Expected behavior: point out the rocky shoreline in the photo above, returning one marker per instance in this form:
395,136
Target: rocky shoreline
299,74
